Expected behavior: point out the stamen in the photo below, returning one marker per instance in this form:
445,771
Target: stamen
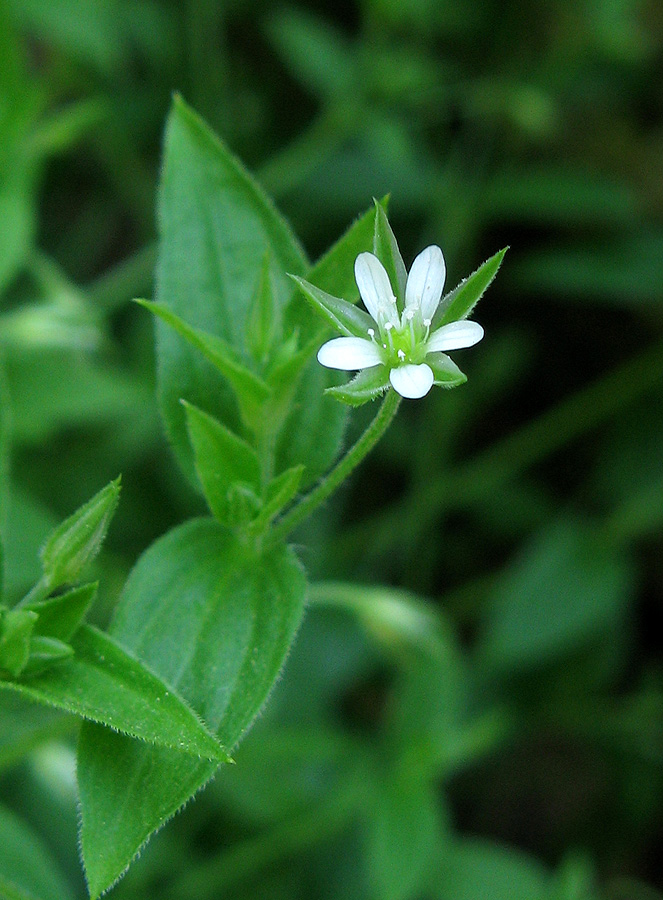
401,355
371,334
427,324
388,327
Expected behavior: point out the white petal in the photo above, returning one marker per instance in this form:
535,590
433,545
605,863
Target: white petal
454,336
425,282
412,381
349,353
375,288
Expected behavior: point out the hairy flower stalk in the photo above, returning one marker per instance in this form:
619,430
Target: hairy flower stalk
402,341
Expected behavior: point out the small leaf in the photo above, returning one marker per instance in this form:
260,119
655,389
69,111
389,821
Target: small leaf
263,325
45,652
16,626
446,372
460,302
222,459
61,616
340,314
386,249
280,491
334,274
104,683
250,390
78,539
366,385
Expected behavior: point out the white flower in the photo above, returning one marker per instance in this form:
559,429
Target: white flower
401,341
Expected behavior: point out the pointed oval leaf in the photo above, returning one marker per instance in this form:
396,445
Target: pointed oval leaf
61,616
215,225
242,611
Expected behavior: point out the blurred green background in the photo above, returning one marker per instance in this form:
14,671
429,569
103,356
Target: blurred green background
527,505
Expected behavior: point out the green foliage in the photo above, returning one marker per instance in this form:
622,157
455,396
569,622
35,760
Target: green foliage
215,620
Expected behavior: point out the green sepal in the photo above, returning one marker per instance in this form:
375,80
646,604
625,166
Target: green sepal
60,617
343,316
366,385
446,372
385,247
223,461
45,652
16,627
78,539
250,390
263,328
280,491
460,302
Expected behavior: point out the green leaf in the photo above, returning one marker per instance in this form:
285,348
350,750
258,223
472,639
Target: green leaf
561,593
460,302
215,225
340,314
27,869
404,824
222,460
105,683
333,273
385,247
263,326
280,491
250,390
4,471
316,53
24,725
366,385
476,869
446,372
216,620
61,616
78,539
16,626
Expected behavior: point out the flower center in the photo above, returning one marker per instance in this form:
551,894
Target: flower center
402,342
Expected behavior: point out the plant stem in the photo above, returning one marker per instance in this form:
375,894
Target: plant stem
325,488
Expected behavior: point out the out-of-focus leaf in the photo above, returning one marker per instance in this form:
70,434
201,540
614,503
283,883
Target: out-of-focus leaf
27,869
618,272
476,869
560,594
315,52
24,725
403,824
558,197
242,611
